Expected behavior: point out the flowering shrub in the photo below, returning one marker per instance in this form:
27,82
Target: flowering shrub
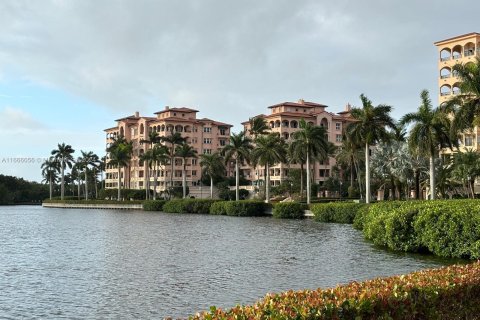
446,293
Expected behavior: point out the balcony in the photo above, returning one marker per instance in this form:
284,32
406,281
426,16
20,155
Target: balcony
445,58
445,76
443,94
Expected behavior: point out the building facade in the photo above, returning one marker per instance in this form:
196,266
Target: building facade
284,118
461,49
205,135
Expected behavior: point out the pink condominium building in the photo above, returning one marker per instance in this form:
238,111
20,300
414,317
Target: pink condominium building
205,135
284,118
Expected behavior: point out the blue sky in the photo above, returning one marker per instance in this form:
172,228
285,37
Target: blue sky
69,68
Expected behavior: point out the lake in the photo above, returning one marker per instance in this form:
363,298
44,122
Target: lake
99,264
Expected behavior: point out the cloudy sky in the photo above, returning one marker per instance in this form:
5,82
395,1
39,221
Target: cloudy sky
69,68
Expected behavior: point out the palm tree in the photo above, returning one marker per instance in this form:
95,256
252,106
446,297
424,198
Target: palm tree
185,151
350,155
466,167
147,159
239,149
269,150
173,140
152,139
212,165
258,126
369,128
88,159
466,104
50,168
159,156
297,156
120,155
312,141
429,134
63,154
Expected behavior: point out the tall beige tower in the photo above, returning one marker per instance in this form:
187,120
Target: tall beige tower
460,49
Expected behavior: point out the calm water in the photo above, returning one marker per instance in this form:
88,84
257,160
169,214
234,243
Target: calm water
94,264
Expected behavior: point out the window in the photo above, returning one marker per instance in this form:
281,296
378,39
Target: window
194,172
194,140
222,142
194,162
338,126
324,173
207,140
207,129
207,151
222,131
468,140
338,138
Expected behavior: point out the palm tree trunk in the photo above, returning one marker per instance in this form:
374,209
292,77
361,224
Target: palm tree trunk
351,173
367,173
417,184
51,188
267,184
119,183
301,180
184,180
308,177
62,186
155,177
78,187
211,187
86,185
237,181
145,181
95,181
171,173
432,177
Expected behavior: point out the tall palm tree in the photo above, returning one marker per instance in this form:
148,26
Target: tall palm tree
370,127
50,168
466,104
88,159
63,154
269,150
173,140
350,154
151,140
466,167
120,156
238,149
212,165
258,126
159,157
311,140
297,156
147,159
185,151
429,134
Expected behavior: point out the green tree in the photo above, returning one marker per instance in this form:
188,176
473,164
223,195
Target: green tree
63,154
350,155
152,139
120,154
87,160
429,134
466,105
185,151
258,126
312,141
269,150
370,127
212,166
173,140
238,149
466,167
50,168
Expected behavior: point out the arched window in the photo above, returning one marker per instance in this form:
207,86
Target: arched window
142,128
445,73
469,49
445,90
445,54
293,124
457,52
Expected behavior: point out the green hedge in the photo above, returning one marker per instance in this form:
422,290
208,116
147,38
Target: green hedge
242,208
289,210
153,205
134,194
188,206
446,228
447,293
339,212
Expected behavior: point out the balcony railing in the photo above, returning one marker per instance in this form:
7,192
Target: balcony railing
445,58
468,53
445,93
445,76
455,57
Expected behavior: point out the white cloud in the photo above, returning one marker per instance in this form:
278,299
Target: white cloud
15,120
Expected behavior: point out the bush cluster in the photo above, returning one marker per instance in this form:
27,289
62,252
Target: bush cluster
153,205
289,210
188,206
447,293
446,228
134,194
242,208
339,212
92,201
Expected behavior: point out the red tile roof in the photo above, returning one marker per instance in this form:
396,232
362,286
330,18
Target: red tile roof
304,104
181,109
457,37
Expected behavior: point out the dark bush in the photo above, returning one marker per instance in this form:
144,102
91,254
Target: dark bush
188,206
339,212
153,205
289,210
219,208
245,208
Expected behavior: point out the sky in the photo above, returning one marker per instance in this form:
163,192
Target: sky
69,68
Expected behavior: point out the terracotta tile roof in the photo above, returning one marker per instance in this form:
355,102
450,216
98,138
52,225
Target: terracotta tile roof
457,37
112,128
215,122
291,114
304,104
180,109
128,118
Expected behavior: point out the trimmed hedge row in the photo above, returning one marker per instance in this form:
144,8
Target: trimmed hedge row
446,228
153,205
242,208
289,210
447,293
201,206
339,212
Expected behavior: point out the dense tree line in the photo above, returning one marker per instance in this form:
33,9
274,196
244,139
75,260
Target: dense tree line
15,190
